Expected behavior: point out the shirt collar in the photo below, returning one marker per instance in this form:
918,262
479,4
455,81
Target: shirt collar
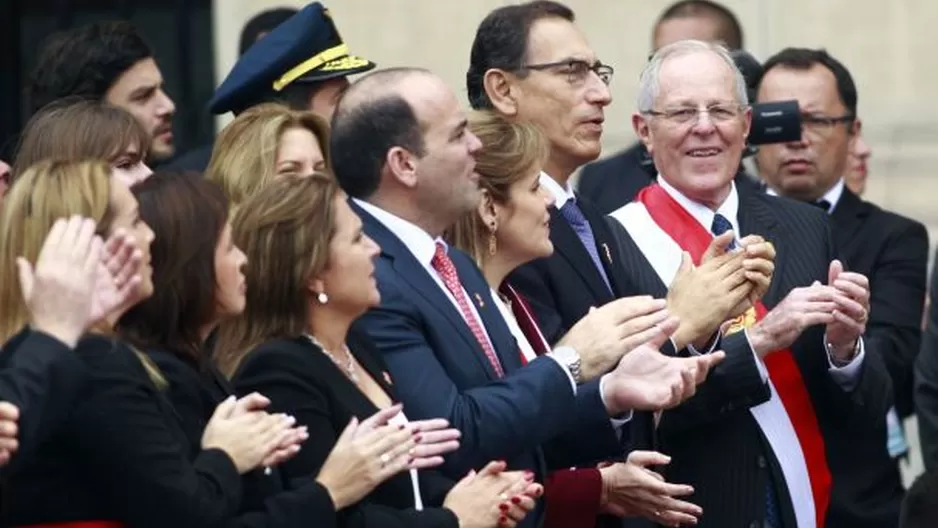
832,195
703,214
418,241
561,194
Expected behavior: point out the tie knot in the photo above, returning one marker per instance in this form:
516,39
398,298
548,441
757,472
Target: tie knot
720,225
572,213
822,204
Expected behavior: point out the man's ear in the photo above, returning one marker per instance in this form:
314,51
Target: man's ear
501,90
403,166
642,130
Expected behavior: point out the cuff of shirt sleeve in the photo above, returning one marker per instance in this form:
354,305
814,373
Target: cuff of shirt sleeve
759,363
617,421
565,370
846,375
710,348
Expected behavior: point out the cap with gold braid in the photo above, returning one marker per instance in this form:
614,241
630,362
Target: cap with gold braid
306,48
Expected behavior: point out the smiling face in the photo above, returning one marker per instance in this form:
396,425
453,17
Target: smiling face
522,231
698,130
299,153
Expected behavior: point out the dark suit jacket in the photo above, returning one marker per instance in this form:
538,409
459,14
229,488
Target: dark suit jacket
441,370
730,479
268,500
195,160
926,379
43,378
614,181
120,455
892,251
302,381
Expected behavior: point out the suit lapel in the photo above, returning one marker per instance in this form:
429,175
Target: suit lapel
568,245
616,272
756,218
412,271
849,215
634,261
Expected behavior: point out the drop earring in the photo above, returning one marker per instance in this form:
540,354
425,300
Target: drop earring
322,298
492,243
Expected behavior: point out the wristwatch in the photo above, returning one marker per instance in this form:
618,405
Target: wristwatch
570,358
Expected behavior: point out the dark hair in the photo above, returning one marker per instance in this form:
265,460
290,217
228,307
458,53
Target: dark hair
187,214
74,129
803,59
501,42
365,127
84,61
263,22
920,506
729,30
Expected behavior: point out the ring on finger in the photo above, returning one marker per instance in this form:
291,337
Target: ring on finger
385,458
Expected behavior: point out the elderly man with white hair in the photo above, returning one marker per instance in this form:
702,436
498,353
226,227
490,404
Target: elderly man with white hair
762,463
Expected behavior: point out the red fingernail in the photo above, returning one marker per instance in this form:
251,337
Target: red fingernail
503,507
502,520
515,500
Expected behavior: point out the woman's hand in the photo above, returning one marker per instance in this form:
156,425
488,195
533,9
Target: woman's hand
630,489
360,461
248,438
493,497
434,438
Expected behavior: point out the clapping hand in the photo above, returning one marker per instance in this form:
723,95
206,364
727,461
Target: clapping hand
9,415
632,489
851,311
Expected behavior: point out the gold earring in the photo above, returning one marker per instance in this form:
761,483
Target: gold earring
492,242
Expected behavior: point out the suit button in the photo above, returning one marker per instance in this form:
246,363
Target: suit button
761,462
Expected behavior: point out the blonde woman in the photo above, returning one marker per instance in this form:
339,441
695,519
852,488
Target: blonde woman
510,228
265,142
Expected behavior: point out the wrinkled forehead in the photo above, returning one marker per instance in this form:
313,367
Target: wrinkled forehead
697,77
556,39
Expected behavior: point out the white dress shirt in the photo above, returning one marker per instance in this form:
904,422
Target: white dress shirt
771,415
423,247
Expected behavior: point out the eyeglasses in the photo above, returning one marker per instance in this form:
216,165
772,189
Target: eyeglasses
577,71
821,126
686,115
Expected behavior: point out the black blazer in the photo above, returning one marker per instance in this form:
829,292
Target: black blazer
892,251
614,181
44,378
730,480
302,381
268,500
120,455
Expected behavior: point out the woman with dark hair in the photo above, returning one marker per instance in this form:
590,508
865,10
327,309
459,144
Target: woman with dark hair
197,284
76,129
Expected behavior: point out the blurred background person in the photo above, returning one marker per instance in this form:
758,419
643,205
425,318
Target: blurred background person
889,249
75,129
857,169
107,61
265,142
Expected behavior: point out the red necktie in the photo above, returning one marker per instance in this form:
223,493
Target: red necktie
447,271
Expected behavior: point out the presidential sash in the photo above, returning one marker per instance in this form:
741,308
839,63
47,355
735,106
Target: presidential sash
657,223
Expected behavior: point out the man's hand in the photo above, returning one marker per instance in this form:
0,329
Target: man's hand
800,309
703,297
607,333
631,489
759,266
58,291
9,416
647,380
851,311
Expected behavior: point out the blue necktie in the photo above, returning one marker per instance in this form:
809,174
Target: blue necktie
574,216
773,517
721,225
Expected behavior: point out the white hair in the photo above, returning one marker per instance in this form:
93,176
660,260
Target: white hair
648,84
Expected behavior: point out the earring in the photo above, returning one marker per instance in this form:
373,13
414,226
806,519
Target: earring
492,242
322,298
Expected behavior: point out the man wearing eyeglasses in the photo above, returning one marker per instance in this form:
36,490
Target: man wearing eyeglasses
804,378
892,251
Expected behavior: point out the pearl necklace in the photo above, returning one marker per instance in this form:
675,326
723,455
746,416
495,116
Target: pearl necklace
348,369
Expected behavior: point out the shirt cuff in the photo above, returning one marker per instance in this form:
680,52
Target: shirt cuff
565,370
710,348
619,421
763,372
848,375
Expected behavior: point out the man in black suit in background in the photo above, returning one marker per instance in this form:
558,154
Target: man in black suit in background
891,250
614,181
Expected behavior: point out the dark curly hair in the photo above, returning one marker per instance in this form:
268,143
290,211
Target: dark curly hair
84,62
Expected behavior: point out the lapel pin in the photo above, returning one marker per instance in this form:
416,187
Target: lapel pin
608,254
479,301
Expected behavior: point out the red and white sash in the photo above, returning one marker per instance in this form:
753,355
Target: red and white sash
663,229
